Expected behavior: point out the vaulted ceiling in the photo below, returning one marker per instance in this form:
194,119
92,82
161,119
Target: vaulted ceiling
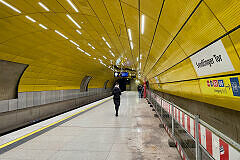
62,41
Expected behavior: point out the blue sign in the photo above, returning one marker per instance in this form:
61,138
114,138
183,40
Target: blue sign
235,86
124,74
220,83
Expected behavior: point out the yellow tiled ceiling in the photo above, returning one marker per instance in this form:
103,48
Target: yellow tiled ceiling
170,38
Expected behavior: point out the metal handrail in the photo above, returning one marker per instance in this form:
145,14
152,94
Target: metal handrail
221,135
197,121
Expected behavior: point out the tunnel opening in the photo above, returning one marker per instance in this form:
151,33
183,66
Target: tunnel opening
105,84
84,83
10,75
124,83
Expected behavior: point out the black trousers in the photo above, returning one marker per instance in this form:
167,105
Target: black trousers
117,104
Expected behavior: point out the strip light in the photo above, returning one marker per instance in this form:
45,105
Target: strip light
78,31
80,49
143,21
43,6
61,34
84,52
73,21
103,39
112,53
130,34
44,27
95,58
91,46
29,18
72,5
106,42
74,43
131,44
104,57
103,64
87,54
10,6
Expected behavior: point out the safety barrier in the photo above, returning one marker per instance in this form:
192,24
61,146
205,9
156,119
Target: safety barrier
200,143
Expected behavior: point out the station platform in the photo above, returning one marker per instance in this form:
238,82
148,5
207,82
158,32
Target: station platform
92,132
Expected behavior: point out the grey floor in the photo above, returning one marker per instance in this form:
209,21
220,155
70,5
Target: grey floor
99,135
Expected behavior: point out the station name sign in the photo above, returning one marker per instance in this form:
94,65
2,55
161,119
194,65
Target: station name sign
212,60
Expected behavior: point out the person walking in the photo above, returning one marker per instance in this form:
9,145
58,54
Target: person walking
139,88
116,97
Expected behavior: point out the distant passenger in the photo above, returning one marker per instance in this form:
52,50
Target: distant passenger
116,97
140,88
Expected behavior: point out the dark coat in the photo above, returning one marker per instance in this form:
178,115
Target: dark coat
116,96
139,88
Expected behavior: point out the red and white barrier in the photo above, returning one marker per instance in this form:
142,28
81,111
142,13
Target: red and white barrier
215,146
218,148
180,150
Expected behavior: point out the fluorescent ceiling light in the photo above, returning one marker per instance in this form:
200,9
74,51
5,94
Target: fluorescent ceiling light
30,19
104,64
112,53
44,27
72,5
78,31
94,58
108,44
100,60
91,46
61,34
140,56
80,49
10,6
131,44
104,57
143,21
83,51
130,34
73,21
137,59
43,6
87,53
74,43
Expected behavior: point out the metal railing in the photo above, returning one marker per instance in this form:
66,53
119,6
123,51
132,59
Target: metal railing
194,138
